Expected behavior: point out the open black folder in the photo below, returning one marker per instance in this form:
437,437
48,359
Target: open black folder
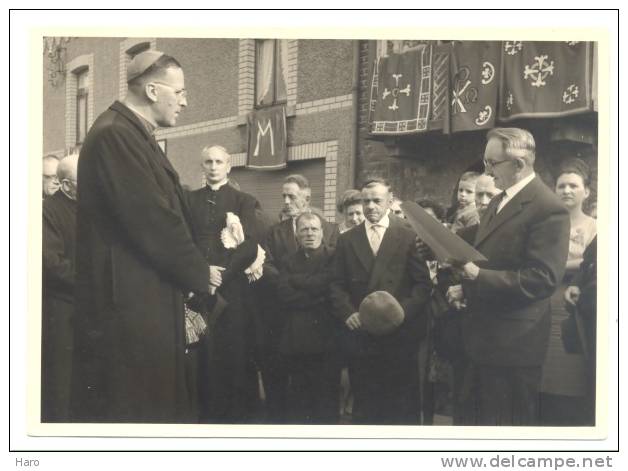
446,245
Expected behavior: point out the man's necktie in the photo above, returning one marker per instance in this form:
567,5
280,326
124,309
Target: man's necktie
375,238
496,201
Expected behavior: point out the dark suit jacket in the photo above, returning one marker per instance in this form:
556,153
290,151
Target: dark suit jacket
397,269
58,247
135,260
526,245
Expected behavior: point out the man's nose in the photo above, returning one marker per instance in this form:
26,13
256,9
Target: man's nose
183,102
286,200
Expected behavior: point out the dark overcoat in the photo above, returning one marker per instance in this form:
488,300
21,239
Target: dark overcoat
58,249
135,260
303,291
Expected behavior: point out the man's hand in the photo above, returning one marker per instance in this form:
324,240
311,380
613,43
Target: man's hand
215,276
468,271
572,295
455,297
353,321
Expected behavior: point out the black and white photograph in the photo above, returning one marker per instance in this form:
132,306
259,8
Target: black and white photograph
362,232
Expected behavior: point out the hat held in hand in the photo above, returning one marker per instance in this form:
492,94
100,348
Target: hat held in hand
380,313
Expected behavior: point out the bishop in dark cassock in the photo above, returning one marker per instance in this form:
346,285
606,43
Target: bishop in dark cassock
58,248
136,259
227,371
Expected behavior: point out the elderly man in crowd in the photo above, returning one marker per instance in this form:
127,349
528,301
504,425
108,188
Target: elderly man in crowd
50,181
225,229
136,259
308,334
485,191
380,256
58,248
281,243
524,234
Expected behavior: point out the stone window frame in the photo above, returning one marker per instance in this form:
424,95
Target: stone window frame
246,78
75,67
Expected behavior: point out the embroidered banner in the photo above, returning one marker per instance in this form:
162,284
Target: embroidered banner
267,143
401,93
545,79
439,118
474,85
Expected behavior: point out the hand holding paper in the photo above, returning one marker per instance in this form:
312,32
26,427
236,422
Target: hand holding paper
446,245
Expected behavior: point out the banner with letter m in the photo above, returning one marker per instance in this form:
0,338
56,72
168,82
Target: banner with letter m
267,147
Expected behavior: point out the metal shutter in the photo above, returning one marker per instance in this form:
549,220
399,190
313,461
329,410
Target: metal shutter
266,185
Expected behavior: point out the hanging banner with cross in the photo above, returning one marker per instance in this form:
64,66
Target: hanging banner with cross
401,93
545,79
267,139
474,85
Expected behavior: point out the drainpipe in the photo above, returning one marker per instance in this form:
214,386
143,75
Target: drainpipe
355,86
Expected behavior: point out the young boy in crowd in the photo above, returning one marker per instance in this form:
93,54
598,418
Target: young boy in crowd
466,214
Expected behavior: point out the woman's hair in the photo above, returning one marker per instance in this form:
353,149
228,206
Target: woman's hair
349,198
577,166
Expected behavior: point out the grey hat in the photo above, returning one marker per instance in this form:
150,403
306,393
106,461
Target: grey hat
140,63
380,313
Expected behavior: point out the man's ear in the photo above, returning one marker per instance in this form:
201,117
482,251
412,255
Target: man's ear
151,91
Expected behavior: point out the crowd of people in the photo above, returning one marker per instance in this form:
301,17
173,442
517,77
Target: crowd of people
163,305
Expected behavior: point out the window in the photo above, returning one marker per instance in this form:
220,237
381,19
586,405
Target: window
82,94
271,71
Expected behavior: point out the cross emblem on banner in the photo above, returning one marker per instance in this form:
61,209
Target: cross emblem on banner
462,93
539,71
512,47
395,92
570,95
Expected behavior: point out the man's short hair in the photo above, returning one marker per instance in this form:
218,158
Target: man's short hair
156,69
349,198
469,176
207,149
308,215
371,182
516,142
67,166
50,158
297,179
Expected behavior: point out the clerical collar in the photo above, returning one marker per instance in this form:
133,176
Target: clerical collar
148,124
219,185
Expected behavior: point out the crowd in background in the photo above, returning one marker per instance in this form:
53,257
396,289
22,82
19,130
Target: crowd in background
167,305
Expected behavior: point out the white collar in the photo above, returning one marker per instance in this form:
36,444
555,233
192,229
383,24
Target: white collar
520,185
383,222
219,185
141,115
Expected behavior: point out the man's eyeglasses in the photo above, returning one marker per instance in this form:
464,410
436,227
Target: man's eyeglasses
182,93
493,164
